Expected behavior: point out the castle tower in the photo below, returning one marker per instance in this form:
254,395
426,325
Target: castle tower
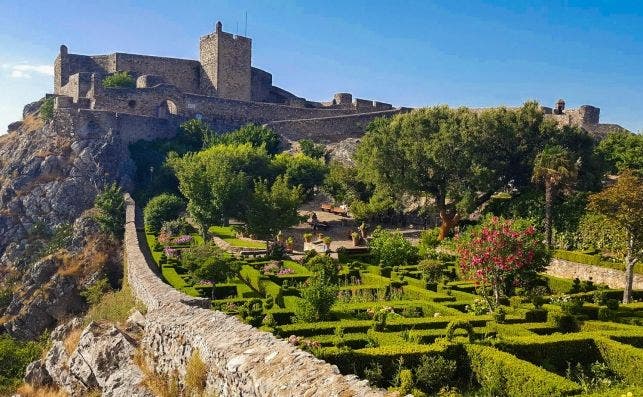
225,62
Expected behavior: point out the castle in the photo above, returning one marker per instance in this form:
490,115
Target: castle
223,89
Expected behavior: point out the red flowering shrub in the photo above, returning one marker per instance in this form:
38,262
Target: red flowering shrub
501,253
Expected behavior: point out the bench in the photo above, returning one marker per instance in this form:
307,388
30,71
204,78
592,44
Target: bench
252,253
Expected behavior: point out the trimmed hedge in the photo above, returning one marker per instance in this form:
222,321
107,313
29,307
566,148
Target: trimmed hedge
552,352
500,373
624,360
354,361
273,290
252,276
422,294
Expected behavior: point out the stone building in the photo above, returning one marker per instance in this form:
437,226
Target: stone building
223,89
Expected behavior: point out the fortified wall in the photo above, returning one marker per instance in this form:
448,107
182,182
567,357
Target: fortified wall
223,89
241,359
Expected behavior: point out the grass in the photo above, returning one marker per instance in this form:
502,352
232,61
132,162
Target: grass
227,234
114,307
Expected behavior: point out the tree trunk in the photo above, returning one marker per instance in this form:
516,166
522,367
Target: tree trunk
630,260
549,194
448,222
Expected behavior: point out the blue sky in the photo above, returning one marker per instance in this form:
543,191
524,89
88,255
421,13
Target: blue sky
409,53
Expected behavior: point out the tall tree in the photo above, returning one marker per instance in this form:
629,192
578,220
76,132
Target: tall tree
457,157
273,208
622,150
623,202
217,181
553,168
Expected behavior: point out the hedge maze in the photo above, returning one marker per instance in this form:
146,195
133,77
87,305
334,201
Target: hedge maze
400,331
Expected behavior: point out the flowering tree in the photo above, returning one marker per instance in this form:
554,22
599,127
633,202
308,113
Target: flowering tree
501,252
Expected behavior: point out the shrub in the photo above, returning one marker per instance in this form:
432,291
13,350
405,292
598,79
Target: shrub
251,312
431,269
311,149
406,382
15,356
605,314
94,292
429,241
562,321
373,373
111,210
326,267
316,300
612,304
434,372
119,80
47,109
161,209
500,314
536,316
391,248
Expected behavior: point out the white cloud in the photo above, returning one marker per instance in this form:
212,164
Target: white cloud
42,69
25,70
19,74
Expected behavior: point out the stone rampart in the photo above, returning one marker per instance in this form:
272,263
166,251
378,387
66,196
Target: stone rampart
242,360
601,275
328,129
128,128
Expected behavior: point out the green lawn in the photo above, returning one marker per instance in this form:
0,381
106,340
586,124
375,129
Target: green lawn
227,234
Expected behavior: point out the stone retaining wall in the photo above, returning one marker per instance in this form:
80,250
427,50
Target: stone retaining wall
600,275
243,361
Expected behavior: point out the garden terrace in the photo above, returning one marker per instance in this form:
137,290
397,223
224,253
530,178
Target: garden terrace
527,352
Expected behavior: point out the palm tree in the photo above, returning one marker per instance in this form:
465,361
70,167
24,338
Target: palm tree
553,167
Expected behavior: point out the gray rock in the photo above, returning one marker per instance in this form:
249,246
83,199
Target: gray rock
102,360
37,374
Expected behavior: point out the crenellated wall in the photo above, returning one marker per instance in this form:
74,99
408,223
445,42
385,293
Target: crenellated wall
242,360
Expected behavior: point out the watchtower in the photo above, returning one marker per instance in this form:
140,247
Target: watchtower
226,65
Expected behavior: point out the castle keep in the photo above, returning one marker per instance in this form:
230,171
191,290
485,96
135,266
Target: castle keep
223,89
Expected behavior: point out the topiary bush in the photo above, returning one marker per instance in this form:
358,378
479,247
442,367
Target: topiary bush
119,80
459,324
162,208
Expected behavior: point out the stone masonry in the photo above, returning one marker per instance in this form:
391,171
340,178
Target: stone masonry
242,360
600,275
223,89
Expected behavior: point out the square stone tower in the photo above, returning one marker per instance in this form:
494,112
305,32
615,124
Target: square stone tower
226,65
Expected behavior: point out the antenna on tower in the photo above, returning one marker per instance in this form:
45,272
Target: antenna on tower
245,28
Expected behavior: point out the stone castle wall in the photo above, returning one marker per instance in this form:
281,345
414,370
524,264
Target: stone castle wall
328,129
242,360
599,275
128,128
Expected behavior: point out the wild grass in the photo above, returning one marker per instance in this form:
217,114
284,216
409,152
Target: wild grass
114,307
27,390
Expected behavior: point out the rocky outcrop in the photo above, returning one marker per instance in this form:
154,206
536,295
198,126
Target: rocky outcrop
102,360
50,173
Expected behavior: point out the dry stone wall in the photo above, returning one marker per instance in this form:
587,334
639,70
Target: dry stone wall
243,361
612,277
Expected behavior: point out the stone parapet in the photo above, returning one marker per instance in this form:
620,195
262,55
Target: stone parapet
242,360
601,275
